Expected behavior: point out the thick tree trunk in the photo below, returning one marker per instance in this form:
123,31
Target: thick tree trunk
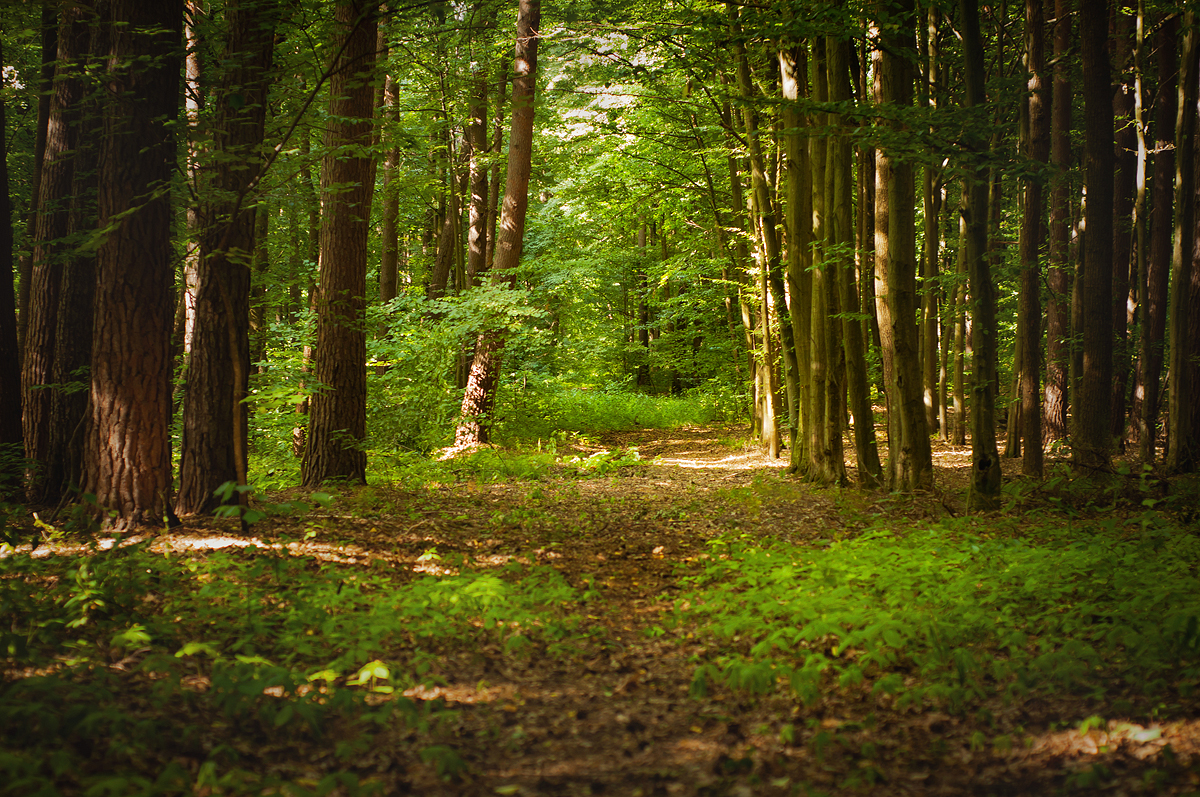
213,446
337,414
1181,453
910,461
51,252
128,452
985,461
480,396
1030,311
1092,413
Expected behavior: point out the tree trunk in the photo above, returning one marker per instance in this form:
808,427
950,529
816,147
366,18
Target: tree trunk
1030,310
932,208
1181,454
10,357
1092,413
337,414
479,399
128,458
389,257
1153,306
478,208
213,444
910,461
1124,186
985,461
1058,311
51,251
840,255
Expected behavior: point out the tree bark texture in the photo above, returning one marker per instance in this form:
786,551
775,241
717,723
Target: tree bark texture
1181,454
1030,310
478,209
389,258
10,356
128,454
480,396
1092,413
1124,188
985,460
1058,307
337,413
213,446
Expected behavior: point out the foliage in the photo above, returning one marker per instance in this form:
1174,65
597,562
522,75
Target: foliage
954,612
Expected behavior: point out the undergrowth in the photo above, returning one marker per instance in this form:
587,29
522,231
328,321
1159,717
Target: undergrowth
131,672
957,612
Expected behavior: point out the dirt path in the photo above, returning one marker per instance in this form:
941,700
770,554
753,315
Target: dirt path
617,718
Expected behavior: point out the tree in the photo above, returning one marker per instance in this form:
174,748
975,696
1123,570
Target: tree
213,446
1091,441
10,358
910,458
1181,454
1030,312
337,416
985,458
1058,318
128,454
480,396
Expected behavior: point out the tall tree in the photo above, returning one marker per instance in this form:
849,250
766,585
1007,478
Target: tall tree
10,357
985,458
1091,441
1030,311
128,453
213,445
337,415
1058,317
910,458
480,396
1181,453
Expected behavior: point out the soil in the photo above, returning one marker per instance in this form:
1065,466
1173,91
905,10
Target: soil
618,719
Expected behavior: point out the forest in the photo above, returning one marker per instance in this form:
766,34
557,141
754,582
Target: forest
706,398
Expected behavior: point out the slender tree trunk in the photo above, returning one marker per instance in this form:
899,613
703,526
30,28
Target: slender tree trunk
493,213
478,208
128,457
337,415
1181,454
960,331
1031,238
1124,186
932,209
793,66
1153,307
389,256
839,172
480,396
1058,312
213,445
985,461
822,469
10,357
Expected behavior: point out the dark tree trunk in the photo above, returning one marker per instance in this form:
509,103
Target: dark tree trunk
1124,188
51,251
1058,305
213,446
480,396
337,416
389,257
1031,239
10,357
1092,413
128,455
985,459
1181,453
1153,306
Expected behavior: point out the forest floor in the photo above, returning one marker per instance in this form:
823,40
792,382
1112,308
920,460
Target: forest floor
618,715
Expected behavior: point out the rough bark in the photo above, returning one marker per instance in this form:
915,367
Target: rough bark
1181,454
985,461
478,208
1030,310
480,396
1058,313
910,461
10,357
128,453
213,445
337,413
1092,413
930,255
389,257
1124,186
